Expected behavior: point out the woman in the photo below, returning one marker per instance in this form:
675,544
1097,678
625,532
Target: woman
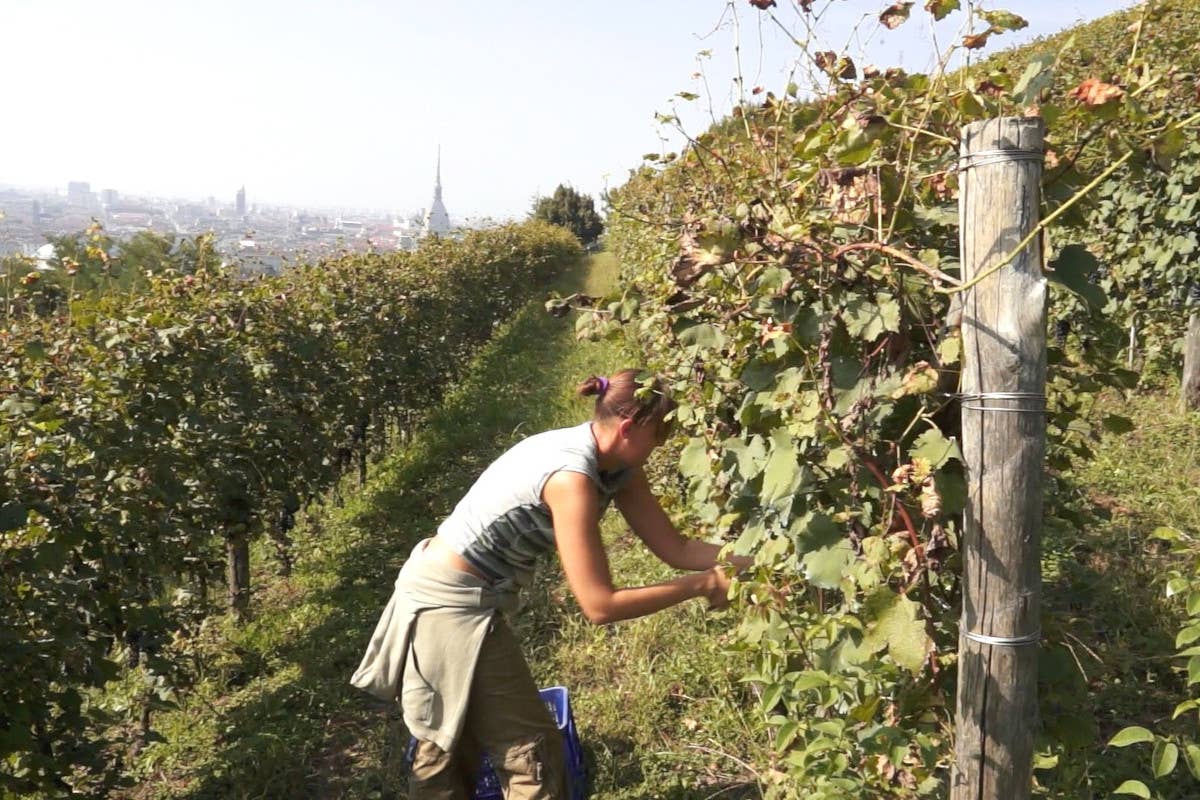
441,646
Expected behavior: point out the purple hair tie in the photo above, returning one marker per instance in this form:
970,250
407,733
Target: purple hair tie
603,385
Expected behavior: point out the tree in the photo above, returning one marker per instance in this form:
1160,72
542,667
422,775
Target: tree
572,210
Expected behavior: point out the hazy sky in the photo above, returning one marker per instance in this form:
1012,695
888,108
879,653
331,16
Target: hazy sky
344,104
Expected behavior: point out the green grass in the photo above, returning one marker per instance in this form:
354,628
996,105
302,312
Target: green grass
1108,661
273,715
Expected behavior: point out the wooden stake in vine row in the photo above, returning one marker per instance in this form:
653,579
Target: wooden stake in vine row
1004,443
1190,397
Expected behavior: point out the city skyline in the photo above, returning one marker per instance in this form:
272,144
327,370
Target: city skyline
312,105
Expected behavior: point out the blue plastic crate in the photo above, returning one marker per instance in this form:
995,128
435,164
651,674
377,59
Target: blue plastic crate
559,703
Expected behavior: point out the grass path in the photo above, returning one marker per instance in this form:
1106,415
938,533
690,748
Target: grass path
273,715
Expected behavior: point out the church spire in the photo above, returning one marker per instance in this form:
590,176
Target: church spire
437,219
437,183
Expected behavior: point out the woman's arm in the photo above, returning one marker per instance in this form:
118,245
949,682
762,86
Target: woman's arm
575,507
650,523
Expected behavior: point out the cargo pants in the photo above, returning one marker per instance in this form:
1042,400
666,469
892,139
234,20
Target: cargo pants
505,719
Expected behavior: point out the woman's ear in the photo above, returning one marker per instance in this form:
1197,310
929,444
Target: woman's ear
625,427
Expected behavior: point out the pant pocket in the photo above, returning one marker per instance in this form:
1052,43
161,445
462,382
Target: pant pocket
435,775
530,769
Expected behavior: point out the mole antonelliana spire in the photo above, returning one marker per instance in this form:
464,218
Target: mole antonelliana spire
437,220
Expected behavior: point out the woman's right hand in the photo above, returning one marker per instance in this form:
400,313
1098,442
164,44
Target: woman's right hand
716,587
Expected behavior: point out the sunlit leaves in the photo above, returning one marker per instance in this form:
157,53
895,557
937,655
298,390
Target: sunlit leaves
826,553
868,318
1134,788
894,622
935,448
1134,734
782,475
834,368
1164,758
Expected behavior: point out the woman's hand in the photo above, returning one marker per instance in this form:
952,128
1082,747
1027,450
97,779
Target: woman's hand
716,587
741,563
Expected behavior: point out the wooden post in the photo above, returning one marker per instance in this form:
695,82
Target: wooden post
1132,342
1190,395
1003,444
237,570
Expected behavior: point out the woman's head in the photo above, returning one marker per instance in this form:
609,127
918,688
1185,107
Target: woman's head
635,398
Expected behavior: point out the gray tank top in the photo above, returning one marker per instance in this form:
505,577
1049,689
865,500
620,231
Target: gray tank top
502,525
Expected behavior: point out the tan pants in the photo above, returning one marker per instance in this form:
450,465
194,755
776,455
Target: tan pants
505,719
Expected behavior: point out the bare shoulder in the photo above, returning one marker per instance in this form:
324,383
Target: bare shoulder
569,488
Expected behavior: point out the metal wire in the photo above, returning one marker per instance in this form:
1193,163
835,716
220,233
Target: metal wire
1004,641
967,399
982,158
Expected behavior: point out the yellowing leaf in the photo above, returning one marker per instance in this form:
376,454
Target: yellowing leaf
1003,20
941,8
950,349
922,378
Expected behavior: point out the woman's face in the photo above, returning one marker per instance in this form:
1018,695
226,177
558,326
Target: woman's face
639,439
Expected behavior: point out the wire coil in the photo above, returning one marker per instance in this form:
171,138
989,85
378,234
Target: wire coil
980,397
1004,641
982,158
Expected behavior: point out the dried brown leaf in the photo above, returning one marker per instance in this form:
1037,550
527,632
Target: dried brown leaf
976,41
1094,92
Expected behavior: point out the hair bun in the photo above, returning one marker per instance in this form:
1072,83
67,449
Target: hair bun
594,385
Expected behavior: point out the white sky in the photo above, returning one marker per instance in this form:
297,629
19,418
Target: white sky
343,104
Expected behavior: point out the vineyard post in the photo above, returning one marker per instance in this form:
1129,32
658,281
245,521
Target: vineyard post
237,569
1191,364
1003,445
1132,342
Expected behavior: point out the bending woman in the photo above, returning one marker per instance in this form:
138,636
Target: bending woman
443,646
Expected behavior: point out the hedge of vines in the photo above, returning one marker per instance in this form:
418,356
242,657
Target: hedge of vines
146,437
792,273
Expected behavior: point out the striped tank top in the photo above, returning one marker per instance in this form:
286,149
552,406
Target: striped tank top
502,525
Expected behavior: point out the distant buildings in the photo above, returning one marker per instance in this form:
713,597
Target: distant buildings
80,195
261,238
